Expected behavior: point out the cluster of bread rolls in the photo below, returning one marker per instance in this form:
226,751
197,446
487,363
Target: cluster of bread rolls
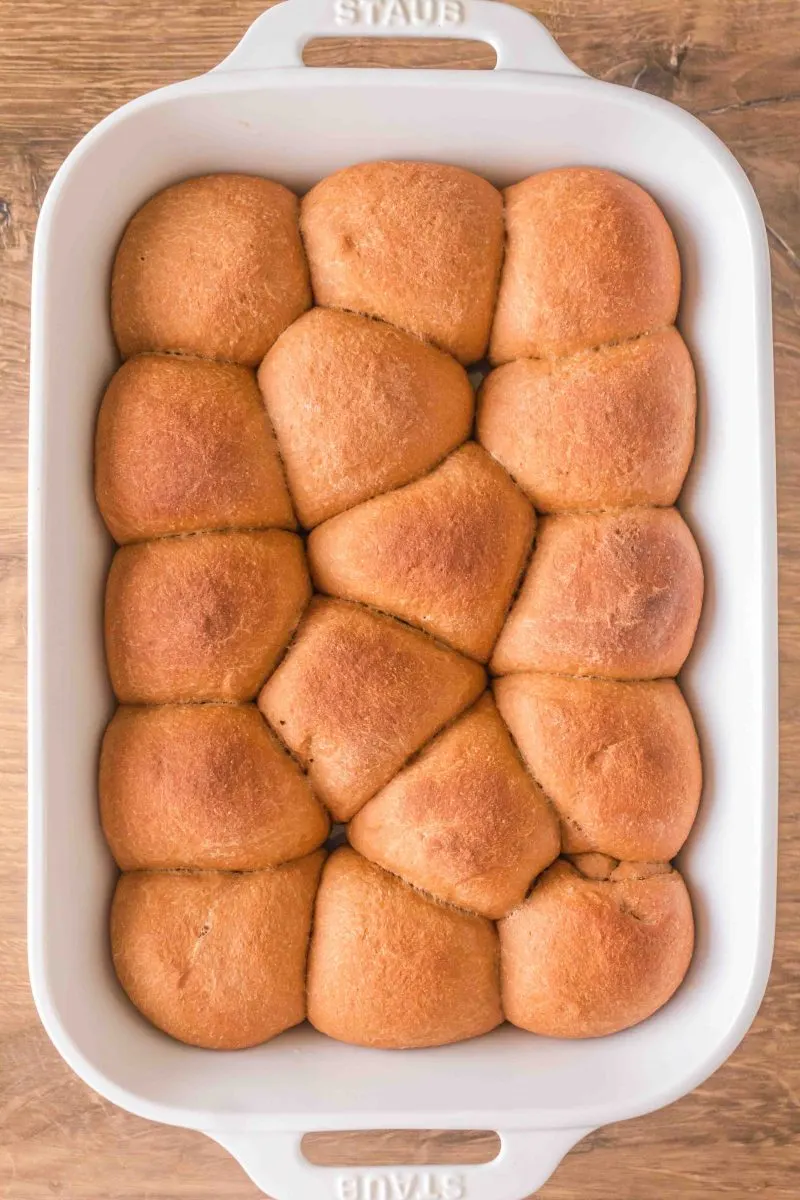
347,591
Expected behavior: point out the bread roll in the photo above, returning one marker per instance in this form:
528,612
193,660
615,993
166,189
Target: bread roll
620,761
464,821
184,445
203,617
393,969
608,594
214,959
204,786
416,244
600,429
589,259
358,694
584,957
359,408
444,553
212,266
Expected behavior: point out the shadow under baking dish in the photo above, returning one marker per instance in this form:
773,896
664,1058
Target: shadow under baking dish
504,126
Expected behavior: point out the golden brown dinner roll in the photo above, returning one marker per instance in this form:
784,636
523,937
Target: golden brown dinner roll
391,968
416,244
182,445
212,266
620,761
203,617
584,957
599,429
359,407
589,259
608,594
215,959
359,693
464,821
444,553
204,786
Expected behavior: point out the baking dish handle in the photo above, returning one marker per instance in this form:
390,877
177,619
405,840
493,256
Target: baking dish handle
277,37
275,1163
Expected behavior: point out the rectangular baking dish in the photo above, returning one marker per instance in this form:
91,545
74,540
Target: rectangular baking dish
261,111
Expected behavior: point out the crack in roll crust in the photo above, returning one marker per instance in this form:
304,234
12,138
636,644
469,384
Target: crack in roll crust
183,445
465,821
203,786
391,968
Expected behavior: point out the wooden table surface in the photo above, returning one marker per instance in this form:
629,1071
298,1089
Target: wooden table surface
64,64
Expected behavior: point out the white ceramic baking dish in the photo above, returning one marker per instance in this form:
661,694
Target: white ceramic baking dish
261,111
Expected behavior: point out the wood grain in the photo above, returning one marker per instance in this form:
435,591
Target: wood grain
64,64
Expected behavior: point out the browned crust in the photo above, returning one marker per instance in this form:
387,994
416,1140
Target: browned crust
359,408
597,414
184,445
203,617
204,786
464,821
608,594
587,957
603,428
589,259
391,968
620,761
416,244
444,553
359,693
214,959
211,266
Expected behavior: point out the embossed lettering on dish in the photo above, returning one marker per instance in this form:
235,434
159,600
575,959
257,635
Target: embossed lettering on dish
396,1185
399,14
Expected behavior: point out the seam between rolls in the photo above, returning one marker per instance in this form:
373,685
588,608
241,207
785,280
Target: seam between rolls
285,862
411,758
298,528
657,862
291,640
191,354
384,612
595,678
594,349
369,316
311,928
526,767
421,891
303,766
302,531
185,534
281,463
612,510
521,577
409,762
307,530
